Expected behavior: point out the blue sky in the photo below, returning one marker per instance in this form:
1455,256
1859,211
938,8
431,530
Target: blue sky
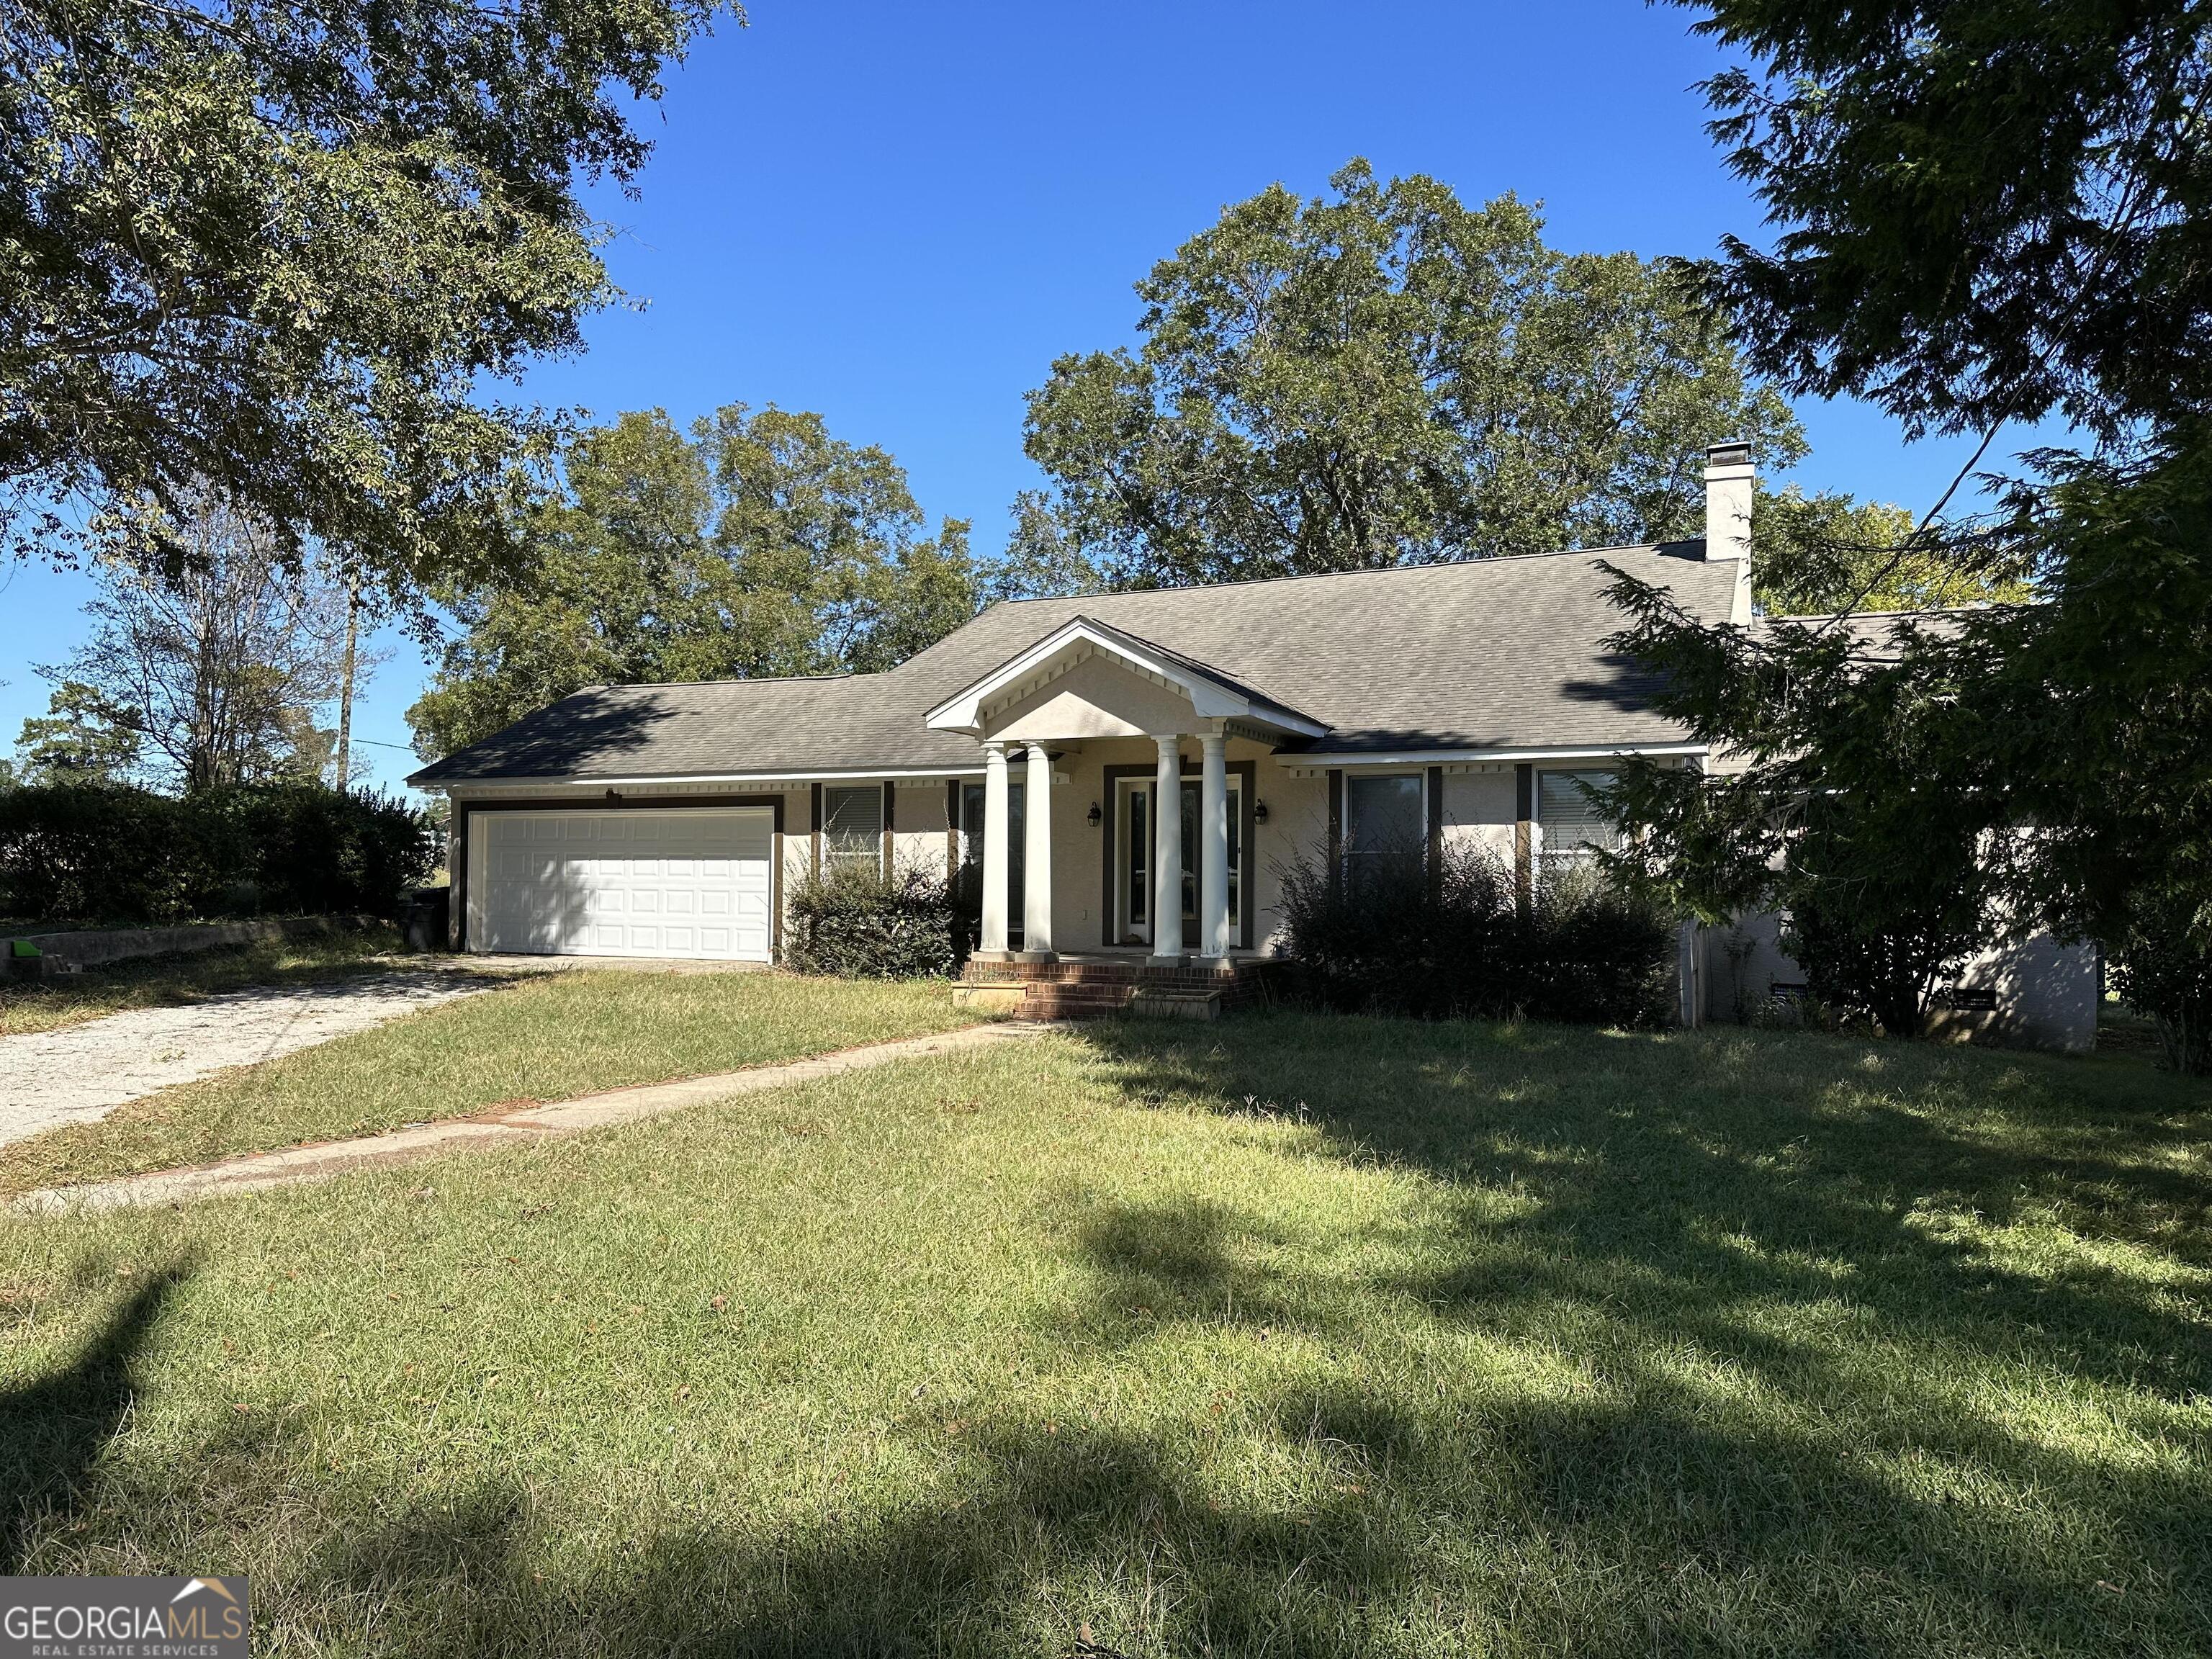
899,214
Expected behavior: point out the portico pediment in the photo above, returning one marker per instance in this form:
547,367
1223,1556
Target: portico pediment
1088,680
1093,696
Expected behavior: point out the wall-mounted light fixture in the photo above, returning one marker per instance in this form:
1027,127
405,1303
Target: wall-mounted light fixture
614,794
1259,811
1094,817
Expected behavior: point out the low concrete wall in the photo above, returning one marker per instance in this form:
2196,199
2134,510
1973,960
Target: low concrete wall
66,952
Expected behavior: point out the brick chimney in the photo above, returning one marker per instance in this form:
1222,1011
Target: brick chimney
1729,476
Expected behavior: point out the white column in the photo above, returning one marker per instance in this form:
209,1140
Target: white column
1037,869
995,860
1213,846
1167,850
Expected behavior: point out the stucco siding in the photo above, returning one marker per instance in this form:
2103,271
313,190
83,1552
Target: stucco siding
1296,827
798,843
1095,701
1076,847
918,824
1082,918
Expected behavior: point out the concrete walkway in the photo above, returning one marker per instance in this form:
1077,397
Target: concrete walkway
79,1073
320,1162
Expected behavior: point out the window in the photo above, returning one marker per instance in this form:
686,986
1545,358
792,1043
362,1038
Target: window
853,826
1570,825
1137,903
1139,824
1384,824
971,854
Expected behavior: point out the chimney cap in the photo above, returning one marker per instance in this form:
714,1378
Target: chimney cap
1737,453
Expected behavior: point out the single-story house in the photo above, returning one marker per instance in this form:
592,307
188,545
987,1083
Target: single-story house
1334,715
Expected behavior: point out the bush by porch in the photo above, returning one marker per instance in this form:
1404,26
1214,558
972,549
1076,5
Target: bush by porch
1453,933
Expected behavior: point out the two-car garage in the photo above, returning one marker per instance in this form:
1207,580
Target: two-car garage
676,882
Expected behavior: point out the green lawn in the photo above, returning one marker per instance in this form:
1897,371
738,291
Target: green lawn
1292,1336
540,1037
46,1005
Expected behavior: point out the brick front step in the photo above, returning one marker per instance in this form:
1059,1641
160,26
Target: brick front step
1093,972
1054,1007
1089,990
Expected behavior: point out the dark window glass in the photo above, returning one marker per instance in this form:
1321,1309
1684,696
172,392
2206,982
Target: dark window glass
1383,821
1141,856
1192,795
972,848
1190,852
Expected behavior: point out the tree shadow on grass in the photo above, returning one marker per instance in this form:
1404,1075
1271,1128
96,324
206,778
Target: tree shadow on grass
1788,1340
1626,1523
1666,1478
1694,1184
1030,1547
1731,1367
53,1430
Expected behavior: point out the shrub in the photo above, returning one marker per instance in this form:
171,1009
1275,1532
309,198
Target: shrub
97,854
1392,936
2163,967
856,922
1592,955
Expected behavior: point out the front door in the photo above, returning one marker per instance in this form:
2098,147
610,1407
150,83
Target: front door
1132,843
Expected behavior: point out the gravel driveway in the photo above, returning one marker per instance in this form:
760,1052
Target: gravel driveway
82,1072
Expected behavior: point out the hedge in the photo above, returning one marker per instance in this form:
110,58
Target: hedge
856,922
112,855
1395,936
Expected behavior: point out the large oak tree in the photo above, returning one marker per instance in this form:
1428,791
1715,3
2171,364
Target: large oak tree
286,250
1377,376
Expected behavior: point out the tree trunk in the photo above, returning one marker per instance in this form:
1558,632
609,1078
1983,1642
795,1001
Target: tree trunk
345,689
1901,1014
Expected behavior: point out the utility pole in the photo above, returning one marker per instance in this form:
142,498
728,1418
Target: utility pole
345,688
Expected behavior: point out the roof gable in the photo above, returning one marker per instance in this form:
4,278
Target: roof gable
1212,694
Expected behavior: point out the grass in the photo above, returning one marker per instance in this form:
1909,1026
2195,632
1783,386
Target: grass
541,1036
47,1005
1295,1336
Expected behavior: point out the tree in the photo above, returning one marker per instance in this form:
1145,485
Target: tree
825,541
1849,817
284,249
1381,377
214,677
758,544
1041,558
1985,212
1813,555
2090,713
80,738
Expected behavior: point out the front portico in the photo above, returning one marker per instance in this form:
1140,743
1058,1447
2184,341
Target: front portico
1085,692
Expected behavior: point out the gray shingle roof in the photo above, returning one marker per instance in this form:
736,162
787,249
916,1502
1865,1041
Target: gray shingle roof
1490,653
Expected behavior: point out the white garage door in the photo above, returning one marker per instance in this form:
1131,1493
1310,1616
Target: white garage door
680,882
